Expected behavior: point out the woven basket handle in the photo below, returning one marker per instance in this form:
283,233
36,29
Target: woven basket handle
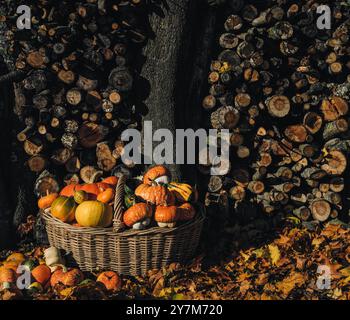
118,224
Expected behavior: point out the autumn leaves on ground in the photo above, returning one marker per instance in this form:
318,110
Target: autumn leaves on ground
285,268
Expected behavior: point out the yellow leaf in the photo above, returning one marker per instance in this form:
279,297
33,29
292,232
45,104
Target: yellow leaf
337,293
295,220
67,292
274,253
317,241
345,272
166,292
345,281
259,253
178,296
245,256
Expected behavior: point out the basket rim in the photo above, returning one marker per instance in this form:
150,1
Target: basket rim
48,218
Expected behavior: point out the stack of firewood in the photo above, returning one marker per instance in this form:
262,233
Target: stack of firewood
74,91
282,87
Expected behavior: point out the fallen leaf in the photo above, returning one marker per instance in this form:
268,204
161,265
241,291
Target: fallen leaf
289,283
275,254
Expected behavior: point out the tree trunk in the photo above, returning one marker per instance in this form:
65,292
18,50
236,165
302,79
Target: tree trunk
165,68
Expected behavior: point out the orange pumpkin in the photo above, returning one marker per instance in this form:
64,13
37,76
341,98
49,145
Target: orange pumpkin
186,212
157,174
17,257
112,180
7,275
138,216
106,196
68,191
46,201
110,279
11,265
63,208
94,214
158,195
102,186
90,188
68,278
41,274
166,216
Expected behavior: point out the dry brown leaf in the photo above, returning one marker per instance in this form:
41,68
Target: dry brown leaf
287,285
158,287
244,287
262,279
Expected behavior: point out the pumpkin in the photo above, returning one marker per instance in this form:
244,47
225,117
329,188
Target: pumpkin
11,265
158,195
157,174
53,258
138,216
16,257
41,274
46,201
113,180
186,212
63,208
68,191
106,196
166,217
183,192
68,278
94,214
80,196
90,188
7,275
110,279
102,186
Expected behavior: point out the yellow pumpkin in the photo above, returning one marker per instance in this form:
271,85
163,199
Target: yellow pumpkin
63,208
94,214
183,192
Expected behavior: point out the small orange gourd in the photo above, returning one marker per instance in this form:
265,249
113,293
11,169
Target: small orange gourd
138,216
156,174
110,279
106,196
46,201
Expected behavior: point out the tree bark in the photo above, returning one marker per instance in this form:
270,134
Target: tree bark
164,68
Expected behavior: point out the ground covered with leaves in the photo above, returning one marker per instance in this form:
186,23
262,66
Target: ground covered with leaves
287,267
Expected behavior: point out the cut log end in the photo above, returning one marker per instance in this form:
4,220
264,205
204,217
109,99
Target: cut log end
320,210
278,106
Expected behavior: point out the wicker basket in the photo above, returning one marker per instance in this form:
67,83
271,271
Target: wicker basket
127,252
